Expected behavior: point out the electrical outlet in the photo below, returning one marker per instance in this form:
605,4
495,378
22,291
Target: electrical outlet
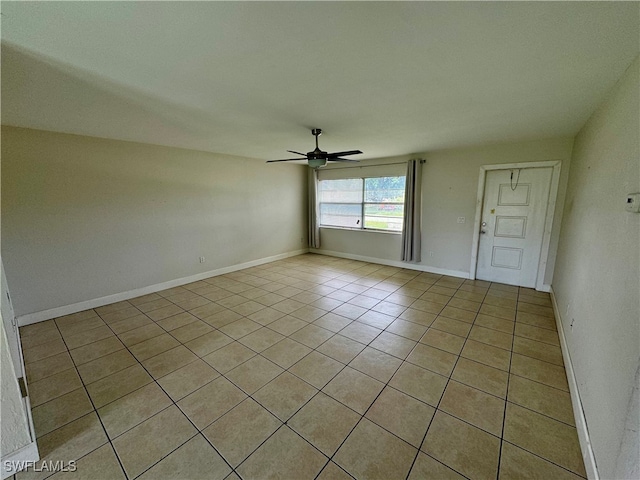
431,254
462,219
633,203
201,259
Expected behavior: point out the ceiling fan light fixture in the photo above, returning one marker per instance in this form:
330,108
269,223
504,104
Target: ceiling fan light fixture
317,162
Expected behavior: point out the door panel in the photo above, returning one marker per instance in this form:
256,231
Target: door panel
513,219
505,257
510,227
510,198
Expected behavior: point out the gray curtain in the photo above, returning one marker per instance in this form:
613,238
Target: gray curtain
314,230
411,234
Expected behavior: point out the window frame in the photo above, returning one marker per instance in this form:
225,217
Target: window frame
362,204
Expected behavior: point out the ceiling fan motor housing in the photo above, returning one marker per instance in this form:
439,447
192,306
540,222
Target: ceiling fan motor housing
317,154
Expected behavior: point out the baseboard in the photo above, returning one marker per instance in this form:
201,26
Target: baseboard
578,412
43,315
392,263
19,459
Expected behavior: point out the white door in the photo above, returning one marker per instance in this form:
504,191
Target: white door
28,452
512,225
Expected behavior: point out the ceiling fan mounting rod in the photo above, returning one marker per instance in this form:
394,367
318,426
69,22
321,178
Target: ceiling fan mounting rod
316,132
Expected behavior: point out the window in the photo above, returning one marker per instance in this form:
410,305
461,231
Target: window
374,203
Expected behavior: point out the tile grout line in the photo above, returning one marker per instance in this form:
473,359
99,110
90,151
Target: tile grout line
545,459
352,320
104,429
504,414
531,410
127,347
315,395
173,403
370,405
154,380
338,401
198,431
437,407
109,439
368,345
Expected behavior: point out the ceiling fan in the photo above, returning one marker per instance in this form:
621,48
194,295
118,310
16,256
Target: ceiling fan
318,158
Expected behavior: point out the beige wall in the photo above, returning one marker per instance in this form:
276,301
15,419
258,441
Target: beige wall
597,280
449,191
84,217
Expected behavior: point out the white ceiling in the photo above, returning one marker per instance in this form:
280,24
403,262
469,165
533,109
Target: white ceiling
250,78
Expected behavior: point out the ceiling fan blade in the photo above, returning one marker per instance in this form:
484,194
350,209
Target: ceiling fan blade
297,153
287,160
341,154
341,160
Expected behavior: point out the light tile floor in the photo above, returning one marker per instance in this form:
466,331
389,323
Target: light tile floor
309,367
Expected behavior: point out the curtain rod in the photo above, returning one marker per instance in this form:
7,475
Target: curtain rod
371,166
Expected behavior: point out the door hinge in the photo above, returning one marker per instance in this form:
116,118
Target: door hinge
23,387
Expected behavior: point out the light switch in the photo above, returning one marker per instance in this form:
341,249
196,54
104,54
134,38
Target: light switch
633,203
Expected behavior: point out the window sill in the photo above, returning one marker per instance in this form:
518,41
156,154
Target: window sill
369,230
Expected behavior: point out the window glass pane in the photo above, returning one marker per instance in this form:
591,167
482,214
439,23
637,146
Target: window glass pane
341,215
341,202
383,216
341,191
384,189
